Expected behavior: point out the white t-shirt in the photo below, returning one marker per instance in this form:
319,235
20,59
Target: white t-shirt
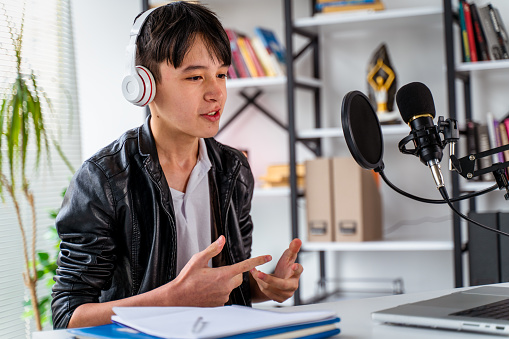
192,211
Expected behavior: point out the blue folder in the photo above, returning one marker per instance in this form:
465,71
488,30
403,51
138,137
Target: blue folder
118,331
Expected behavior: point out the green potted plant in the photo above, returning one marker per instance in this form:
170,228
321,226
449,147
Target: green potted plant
22,118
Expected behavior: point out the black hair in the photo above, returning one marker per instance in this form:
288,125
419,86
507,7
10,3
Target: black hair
170,31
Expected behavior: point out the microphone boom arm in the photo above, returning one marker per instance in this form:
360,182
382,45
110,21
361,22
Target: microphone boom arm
465,167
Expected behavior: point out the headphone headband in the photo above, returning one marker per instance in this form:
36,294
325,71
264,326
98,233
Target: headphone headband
138,85
138,24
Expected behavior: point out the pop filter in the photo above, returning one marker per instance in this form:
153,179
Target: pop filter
362,131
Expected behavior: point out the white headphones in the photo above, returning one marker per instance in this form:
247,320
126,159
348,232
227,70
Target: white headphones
138,86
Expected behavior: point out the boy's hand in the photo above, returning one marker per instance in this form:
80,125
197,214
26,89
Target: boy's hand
200,285
282,284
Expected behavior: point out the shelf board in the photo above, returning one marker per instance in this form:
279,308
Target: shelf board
256,82
269,82
382,245
483,66
400,16
337,132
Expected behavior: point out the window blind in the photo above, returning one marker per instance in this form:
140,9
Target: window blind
48,51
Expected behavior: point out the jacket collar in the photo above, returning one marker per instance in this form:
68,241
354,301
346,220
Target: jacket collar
147,148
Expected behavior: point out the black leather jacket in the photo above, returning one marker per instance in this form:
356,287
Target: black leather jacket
117,223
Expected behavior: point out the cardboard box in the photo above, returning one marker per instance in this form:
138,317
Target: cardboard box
318,188
279,176
357,202
343,201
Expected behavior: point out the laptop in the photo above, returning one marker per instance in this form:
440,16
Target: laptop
482,309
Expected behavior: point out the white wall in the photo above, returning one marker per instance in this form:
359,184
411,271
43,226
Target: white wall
101,32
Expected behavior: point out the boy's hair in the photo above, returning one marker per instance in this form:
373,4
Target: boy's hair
169,32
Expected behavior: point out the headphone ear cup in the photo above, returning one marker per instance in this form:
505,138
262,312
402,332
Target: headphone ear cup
149,86
140,88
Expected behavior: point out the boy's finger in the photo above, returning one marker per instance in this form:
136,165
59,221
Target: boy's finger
211,251
248,264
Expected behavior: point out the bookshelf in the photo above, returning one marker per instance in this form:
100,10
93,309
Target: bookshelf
467,101
332,25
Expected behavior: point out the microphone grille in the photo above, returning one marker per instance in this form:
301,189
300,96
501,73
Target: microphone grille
414,99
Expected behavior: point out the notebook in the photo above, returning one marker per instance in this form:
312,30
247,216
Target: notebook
482,309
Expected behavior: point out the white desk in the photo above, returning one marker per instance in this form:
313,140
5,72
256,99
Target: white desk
356,319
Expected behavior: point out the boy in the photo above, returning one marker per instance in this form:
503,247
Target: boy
160,217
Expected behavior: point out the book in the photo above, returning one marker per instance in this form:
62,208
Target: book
254,56
264,58
494,48
463,31
237,60
251,60
339,6
234,322
504,138
480,37
500,31
271,42
483,144
346,2
232,74
494,136
470,31
268,59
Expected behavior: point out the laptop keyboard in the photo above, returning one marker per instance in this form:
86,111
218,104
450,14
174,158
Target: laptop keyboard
496,310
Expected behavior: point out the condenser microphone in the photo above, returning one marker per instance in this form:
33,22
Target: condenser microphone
417,109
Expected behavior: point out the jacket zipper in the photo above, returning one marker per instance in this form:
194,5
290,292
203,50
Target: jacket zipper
173,268
225,218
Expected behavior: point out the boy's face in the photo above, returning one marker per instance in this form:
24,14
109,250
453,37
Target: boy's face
190,99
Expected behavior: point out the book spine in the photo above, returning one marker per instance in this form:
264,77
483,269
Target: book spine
237,60
232,74
483,145
464,35
482,46
504,139
470,32
254,57
494,137
241,41
500,31
345,2
321,5
272,44
491,39
263,56
376,6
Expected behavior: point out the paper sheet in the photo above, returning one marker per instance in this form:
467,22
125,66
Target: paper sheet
183,322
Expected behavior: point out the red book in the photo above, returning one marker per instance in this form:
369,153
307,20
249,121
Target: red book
470,31
237,61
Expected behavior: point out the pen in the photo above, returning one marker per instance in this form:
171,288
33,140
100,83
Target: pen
199,324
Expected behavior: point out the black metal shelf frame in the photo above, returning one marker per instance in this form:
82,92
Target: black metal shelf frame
292,85
451,18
